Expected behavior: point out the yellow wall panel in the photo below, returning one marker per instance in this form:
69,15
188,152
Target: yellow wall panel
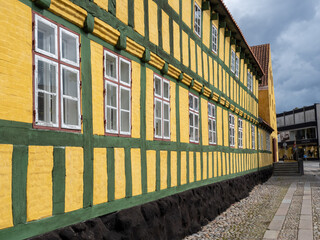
185,49
215,164
206,23
122,11
173,168
135,113
151,170
97,88
224,165
215,75
210,69
235,131
176,40
204,121
221,78
136,171
191,167
199,59
138,16
183,168
153,22
165,32
100,176
74,179
210,164
163,169
192,55
149,104
5,186
174,4
173,123
39,182
120,174
184,114
219,125
186,12
198,164
219,164
227,51
16,91
226,127
102,4
205,165
221,42
205,66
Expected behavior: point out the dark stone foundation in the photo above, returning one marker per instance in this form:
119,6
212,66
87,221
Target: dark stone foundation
172,217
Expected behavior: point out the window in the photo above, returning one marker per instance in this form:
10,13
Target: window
240,133
197,20
161,108
231,130
250,81
214,39
253,137
237,66
268,142
212,123
117,83
56,76
233,61
193,118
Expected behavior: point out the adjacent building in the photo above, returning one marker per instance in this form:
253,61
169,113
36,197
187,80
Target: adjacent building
110,104
298,131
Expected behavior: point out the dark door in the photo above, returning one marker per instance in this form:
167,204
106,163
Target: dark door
274,148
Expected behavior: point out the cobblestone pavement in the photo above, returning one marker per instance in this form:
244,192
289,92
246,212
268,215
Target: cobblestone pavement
273,210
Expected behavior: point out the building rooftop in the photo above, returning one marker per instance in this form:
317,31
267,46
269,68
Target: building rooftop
262,54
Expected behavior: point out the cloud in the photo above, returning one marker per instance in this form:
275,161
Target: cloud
291,27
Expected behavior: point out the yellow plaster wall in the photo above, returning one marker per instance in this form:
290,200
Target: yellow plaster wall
165,32
192,55
184,114
176,40
74,179
39,182
16,65
138,16
174,4
120,174
149,104
102,4
185,49
151,170
224,164
186,12
136,171
173,122
5,186
122,11
219,125
227,52
211,70
205,66
163,169
204,121
226,127
204,165
191,167
183,168
219,164
97,88
135,113
215,70
100,176
199,59
221,44
153,22
198,165
210,164
215,164
206,25
173,168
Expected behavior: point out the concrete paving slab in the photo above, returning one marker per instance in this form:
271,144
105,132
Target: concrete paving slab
271,234
305,235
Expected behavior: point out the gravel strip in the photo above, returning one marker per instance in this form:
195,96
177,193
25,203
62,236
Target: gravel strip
316,211
249,218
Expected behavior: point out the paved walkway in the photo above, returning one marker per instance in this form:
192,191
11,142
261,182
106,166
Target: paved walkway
305,221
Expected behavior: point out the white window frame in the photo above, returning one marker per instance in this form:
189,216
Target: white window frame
119,85
253,137
36,92
62,30
194,112
231,131
233,61
163,101
212,122
237,66
240,133
250,80
214,39
197,17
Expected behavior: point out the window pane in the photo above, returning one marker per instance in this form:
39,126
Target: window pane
111,95
166,111
196,121
158,127
190,101
213,111
125,99
157,86
112,119
125,71
210,125
166,90
69,81
158,109
191,133
47,111
70,112
214,125
111,66
47,76
210,137
196,134
196,105
46,37
125,121
190,119
209,110
69,46
166,132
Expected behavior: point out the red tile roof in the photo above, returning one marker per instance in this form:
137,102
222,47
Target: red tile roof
262,53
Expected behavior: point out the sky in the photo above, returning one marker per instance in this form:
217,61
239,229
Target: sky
292,27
